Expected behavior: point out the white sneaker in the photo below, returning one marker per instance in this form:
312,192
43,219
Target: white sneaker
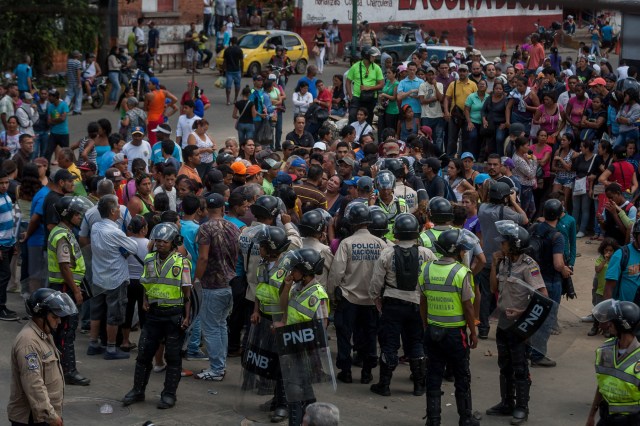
159,368
208,374
580,234
90,99
588,318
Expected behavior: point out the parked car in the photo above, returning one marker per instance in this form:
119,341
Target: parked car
397,44
259,46
441,53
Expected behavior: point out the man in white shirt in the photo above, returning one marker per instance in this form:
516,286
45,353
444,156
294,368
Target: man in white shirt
109,245
563,99
185,123
137,148
139,32
431,94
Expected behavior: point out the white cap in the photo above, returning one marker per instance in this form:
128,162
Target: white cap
453,65
272,77
320,145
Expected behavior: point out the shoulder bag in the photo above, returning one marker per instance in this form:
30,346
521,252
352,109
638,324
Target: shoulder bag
243,110
580,184
366,96
457,114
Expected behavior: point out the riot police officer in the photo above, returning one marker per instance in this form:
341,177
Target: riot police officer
617,363
66,271
273,242
312,227
166,278
391,204
508,265
447,311
349,284
37,384
379,225
401,190
394,288
305,300
441,214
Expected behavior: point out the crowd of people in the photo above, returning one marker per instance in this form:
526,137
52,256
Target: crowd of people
478,179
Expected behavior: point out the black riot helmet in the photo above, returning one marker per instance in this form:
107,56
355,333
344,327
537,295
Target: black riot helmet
379,222
308,261
358,214
273,238
625,316
440,210
552,209
395,166
406,227
498,191
265,207
45,300
515,235
452,241
70,205
311,223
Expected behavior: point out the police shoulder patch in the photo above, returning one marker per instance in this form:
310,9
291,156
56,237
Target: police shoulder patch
32,361
534,271
176,271
636,369
280,273
312,301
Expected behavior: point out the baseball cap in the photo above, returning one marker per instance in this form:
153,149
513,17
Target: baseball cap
224,158
214,201
508,162
288,144
496,59
453,65
374,51
463,67
27,96
257,77
299,162
63,174
138,129
402,68
432,162
163,128
283,178
391,148
270,163
272,77
88,166
430,69
320,145
591,58
155,81
253,170
519,66
119,158
239,168
516,129
480,178
365,183
467,155
352,182
597,81
348,161
428,131
476,52
113,174
611,77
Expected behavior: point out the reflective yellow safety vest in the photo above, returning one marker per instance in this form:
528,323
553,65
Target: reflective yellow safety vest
429,238
397,206
78,271
268,289
163,287
442,287
618,382
303,307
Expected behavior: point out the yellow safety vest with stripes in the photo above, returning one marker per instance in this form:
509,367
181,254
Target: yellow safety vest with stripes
618,382
429,238
78,271
268,289
303,306
397,206
442,287
163,287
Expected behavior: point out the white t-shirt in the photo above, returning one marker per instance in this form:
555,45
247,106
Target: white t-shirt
142,151
206,143
563,99
207,7
432,109
229,28
171,194
185,127
135,268
623,72
139,32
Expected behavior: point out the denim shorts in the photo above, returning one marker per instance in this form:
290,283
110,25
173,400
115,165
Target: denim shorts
567,182
233,77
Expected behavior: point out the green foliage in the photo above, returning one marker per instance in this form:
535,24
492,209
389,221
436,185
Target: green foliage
39,27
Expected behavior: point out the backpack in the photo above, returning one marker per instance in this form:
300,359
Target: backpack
407,266
448,193
540,248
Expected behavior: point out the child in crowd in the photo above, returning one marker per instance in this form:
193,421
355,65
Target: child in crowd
166,185
607,247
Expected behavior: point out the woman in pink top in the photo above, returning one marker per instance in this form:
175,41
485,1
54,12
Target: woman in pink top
550,117
542,151
576,108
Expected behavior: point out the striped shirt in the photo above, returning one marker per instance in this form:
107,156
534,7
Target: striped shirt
310,196
7,237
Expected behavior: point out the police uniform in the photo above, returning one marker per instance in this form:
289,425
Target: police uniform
619,383
394,208
400,311
512,356
446,285
350,273
37,380
408,194
429,237
325,252
163,282
62,247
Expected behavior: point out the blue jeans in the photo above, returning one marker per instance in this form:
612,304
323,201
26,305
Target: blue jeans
501,135
114,78
233,78
582,211
74,93
245,131
540,339
40,145
194,341
470,140
437,128
623,137
216,307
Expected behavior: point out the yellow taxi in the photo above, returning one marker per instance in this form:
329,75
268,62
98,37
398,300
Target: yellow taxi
259,46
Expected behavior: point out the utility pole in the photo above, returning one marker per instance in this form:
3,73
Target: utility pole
354,27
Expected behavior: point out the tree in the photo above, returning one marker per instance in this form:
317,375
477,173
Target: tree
40,27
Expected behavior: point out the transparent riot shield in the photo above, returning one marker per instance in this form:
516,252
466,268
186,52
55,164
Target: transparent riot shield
305,361
260,374
546,326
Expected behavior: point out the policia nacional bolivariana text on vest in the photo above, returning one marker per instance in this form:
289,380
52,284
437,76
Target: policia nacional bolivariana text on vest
619,380
164,288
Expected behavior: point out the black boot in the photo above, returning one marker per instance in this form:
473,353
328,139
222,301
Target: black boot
463,403
418,368
140,380
296,413
506,404
433,408
171,380
382,387
366,377
521,412
280,410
